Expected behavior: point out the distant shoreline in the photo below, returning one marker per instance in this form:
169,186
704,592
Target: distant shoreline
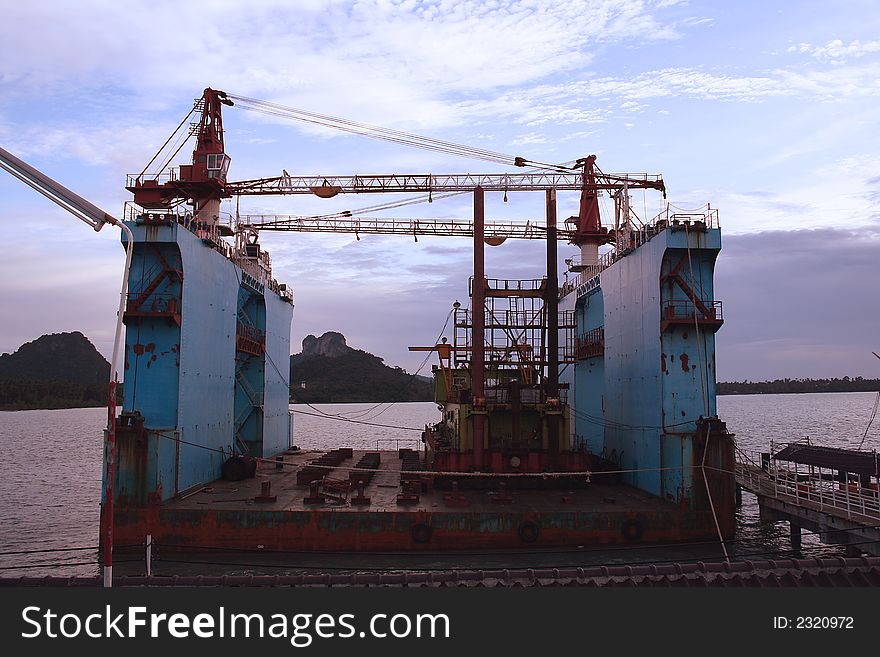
790,392
411,401
797,386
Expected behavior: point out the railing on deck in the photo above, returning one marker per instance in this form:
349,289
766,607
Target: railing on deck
627,240
591,344
528,396
681,218
259,266
250,340
685,309
155,304
512,285
818,488
416,443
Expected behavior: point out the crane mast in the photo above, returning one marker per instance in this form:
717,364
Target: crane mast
201,183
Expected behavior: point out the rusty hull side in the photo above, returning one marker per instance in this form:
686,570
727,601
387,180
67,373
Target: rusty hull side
324,531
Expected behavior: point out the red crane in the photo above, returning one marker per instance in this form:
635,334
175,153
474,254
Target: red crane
203,183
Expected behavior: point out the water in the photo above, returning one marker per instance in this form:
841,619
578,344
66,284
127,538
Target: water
50,484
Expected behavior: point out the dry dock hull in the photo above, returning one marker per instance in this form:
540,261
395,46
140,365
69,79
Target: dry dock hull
378,531
231,515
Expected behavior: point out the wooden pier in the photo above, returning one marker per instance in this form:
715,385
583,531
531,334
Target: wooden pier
839,506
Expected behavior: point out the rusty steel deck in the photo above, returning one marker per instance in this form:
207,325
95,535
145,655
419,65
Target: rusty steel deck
272,511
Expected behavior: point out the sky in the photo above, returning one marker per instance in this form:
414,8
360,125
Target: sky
766,110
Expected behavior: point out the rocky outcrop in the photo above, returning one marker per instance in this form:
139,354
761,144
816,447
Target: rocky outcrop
329,371
331,345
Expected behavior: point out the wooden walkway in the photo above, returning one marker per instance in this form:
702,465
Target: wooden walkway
842,513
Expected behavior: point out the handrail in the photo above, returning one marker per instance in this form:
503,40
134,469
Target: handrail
819,487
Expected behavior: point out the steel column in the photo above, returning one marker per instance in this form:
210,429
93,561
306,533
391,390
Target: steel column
551,304
478,305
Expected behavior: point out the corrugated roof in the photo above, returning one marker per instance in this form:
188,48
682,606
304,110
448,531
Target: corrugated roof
848,460
825,572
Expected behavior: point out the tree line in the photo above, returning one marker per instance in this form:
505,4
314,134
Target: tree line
778,386
27,395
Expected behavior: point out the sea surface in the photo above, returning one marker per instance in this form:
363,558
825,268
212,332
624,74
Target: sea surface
50,485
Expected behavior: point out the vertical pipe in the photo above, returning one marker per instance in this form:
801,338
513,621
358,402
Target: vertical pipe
110,433
478,305
515,431
148,555
551,303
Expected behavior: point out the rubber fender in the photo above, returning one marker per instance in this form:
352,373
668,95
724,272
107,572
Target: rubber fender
632,530
420,533
528,531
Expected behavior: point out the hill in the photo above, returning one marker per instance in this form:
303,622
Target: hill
61,370
329,371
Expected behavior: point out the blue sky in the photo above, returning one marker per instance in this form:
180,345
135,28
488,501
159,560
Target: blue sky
767,110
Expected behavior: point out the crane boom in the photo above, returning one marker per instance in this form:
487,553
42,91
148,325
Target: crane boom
96,218
55,191
329,186
396,226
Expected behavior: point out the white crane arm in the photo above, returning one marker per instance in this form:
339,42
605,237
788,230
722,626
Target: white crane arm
55,191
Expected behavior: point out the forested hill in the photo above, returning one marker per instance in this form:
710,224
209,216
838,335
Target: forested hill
329,371
62,370
845,384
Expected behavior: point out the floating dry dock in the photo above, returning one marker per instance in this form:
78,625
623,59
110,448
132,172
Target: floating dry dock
580,413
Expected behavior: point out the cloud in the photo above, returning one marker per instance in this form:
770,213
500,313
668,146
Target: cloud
60,283
798,304
271,47
115,142
774,146
836,51
530,138
834,194
849,81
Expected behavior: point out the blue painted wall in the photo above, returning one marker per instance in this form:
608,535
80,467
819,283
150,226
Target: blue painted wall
276,411
632,356
590,376
207,360
651,387
152,358
182,379
687,356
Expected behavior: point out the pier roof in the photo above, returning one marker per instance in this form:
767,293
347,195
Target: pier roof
846,460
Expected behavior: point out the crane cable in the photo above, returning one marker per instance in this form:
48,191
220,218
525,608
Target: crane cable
870,420
386,134
167,141
361,415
